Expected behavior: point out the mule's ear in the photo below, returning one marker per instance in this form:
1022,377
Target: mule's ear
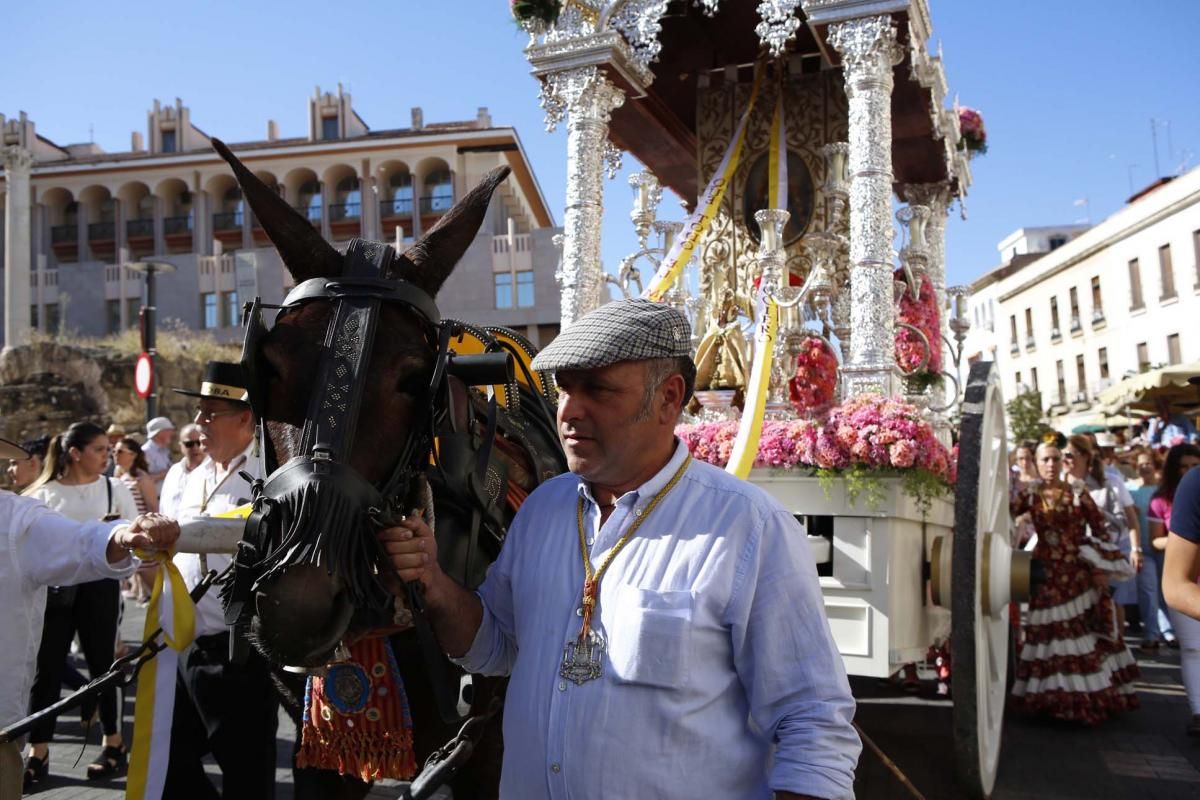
428,262
303,249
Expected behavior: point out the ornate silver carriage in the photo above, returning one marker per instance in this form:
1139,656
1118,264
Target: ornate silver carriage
861,125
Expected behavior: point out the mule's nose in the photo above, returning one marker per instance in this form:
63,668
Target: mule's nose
302,615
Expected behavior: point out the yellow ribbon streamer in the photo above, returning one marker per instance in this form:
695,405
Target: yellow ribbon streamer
745,445
151,741
706,210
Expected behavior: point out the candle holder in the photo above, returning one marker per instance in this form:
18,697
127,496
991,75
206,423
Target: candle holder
837,181
647,193
914,256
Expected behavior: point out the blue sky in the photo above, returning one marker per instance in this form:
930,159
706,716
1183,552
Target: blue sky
1067,88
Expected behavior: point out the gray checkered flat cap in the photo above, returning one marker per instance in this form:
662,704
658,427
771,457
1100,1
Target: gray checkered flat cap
624,330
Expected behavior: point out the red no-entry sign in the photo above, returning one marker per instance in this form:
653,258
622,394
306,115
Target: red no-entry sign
143,375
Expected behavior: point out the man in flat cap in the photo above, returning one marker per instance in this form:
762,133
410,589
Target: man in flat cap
660,619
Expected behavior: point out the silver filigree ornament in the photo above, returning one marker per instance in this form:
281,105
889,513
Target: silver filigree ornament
639,21
708,7
612,159
779,24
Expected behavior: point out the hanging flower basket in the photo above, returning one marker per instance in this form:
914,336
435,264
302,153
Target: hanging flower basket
543,12
974,135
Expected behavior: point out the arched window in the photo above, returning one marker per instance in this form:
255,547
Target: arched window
71,214
401,201
439,189
232,203
145,207
349,199
108,210
310,200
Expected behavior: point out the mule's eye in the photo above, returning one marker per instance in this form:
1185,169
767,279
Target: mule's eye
414,384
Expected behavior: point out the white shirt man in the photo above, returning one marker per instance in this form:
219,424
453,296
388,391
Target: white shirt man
171,496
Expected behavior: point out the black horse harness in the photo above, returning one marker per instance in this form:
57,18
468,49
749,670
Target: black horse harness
317,501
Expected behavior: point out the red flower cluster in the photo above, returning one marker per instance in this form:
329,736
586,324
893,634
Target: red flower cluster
814,387
923,314
974,135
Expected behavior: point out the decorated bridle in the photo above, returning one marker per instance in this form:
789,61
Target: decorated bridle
317,501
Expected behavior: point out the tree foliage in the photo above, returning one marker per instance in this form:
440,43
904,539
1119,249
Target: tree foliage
1025,418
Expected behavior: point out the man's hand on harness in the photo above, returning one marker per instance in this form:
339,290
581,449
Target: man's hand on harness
412,550
147,532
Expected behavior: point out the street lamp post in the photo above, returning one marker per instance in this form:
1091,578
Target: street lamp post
149,323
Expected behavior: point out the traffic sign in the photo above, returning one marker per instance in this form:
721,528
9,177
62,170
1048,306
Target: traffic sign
143,376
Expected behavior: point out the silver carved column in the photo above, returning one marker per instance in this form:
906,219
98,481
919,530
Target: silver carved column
869,51
937,198
17,165
590,100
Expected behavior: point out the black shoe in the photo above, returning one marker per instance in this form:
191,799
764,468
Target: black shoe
112,760
35,770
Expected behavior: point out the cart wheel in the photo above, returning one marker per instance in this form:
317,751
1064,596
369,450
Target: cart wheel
980,583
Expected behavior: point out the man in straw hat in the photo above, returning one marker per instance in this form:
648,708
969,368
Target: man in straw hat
652,610
37,548
223,708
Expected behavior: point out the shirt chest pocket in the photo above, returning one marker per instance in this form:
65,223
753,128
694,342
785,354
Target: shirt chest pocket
649,636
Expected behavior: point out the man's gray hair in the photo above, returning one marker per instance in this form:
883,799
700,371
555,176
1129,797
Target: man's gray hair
657,372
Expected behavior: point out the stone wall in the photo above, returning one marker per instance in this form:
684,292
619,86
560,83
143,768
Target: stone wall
47,385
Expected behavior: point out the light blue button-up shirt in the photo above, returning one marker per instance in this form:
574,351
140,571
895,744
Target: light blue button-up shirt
721,677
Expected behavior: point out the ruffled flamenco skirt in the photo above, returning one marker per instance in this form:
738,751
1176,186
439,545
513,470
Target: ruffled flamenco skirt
1074,664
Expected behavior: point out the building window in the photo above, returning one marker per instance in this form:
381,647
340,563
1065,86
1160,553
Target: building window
1103,363
1017,381
1080,375
329,127
53,323
168,141
504,289
1173,354
310,200
439,192
208,310
1166,272
1033,378
349,199
1055,331
33,317
1097,301
1196,256
133,309
1057,242
1029,329
1074,309
525,289
1135,285
1143,357
401,203
1013,322
112,316
1062,383
231,316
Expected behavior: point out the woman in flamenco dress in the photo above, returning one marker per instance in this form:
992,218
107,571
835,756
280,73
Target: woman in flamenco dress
1074,664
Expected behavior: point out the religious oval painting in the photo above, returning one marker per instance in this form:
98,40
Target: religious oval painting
800,196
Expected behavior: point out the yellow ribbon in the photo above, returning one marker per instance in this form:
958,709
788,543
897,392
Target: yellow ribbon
745,445
151,741
706,210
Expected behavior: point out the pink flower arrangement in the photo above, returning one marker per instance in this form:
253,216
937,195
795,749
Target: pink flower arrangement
974,135
922,314
868,431
813,388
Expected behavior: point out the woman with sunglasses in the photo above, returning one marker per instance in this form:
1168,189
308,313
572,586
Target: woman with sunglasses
133,470
191,447
1180,460
1073,663
1084,469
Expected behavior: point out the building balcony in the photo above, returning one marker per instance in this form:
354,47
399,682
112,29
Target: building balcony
101,231
396,207
344,211
436,205
1055,335
178,234
227,221
1015,349
1030,343
139,229
64,233
312,213
1098,318
1076,325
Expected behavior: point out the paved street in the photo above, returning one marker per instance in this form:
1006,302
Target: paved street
1142,755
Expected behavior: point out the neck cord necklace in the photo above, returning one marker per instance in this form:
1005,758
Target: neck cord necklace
583,656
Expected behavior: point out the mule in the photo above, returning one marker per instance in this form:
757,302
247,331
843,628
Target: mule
299,614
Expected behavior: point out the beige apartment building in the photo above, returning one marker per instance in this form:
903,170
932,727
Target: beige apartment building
74,215
1074,309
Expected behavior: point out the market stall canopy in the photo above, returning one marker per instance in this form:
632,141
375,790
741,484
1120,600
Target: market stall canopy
1094,423
1143,391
